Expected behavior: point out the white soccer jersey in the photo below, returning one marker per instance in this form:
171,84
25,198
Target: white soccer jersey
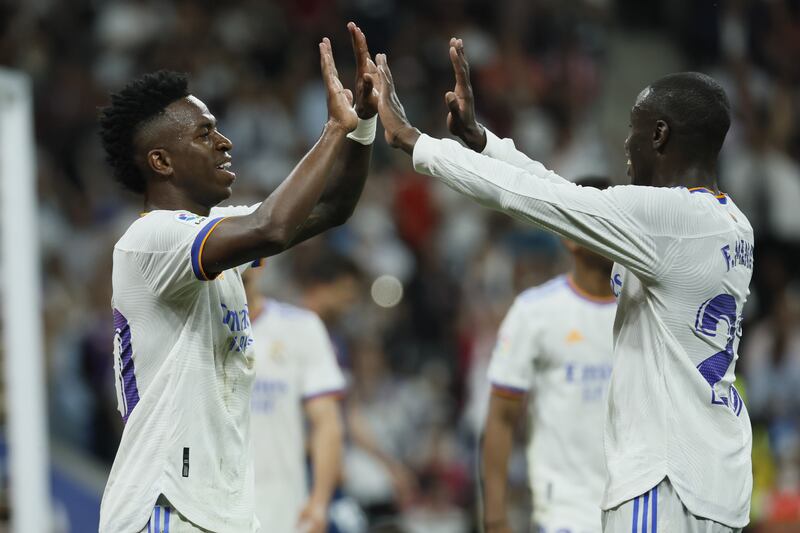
295,362
684,260
556,343
184,370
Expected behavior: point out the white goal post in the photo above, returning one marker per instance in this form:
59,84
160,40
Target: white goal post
23,344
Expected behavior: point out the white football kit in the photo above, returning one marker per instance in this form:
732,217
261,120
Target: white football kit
556,343
295,362
184,371
684,260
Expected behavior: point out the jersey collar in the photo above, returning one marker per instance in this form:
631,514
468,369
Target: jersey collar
721,198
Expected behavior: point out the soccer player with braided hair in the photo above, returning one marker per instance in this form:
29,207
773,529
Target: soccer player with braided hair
183,344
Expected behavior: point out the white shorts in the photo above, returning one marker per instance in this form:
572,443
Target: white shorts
166,519
659,510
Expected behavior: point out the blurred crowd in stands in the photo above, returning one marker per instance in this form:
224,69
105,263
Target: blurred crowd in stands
557,76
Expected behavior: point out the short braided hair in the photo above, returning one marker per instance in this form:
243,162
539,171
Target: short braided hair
137,103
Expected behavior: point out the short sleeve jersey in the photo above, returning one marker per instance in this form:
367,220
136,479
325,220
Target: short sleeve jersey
184,371
295,363
555,344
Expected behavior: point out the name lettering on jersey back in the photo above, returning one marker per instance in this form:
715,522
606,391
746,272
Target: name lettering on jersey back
238,321
742,255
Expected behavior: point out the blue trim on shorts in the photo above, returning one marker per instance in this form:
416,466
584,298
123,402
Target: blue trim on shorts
655,509
644,511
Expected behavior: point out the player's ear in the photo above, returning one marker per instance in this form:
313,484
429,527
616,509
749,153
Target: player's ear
660,135
159,162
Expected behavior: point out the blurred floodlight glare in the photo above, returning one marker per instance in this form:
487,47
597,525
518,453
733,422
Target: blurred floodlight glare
387,291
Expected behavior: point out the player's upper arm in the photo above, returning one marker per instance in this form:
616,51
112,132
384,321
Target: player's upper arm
241,236
323,410
505,409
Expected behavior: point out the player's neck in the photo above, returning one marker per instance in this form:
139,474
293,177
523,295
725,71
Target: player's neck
689,176
171,199
310,302
591,280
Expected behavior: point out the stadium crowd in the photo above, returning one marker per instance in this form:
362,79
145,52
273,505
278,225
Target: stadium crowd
556,76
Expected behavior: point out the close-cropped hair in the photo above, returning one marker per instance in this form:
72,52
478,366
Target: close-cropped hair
695,107
139,102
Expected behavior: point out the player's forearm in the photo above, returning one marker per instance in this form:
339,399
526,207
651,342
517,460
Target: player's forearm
505,150
281,216
588,216
326,458
341,194
495,451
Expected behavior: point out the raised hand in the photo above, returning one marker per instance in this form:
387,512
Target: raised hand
461,102
398,130
366,97
340,100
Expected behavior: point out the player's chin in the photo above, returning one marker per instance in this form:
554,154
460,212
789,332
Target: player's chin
220,193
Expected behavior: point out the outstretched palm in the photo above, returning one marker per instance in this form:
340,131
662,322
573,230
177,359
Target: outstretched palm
366,97
340,100
398,130
461,102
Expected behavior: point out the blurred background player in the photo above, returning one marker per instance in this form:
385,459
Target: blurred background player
555,348
183,355
297,379
677,437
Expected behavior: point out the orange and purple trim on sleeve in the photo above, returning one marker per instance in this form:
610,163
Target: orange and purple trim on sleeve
336,393
505,391
258,263
197,249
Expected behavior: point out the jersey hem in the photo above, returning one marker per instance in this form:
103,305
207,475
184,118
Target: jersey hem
209,523
616,497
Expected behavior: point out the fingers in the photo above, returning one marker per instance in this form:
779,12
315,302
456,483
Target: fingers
459,60
383,68
374,80
368,83
452,103
328,66
349,95
360,48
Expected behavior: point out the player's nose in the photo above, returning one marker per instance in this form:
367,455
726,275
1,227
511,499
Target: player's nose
223,143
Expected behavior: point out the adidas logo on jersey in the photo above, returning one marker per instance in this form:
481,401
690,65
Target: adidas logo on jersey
574,336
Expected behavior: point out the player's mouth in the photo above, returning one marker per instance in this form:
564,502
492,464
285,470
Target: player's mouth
225,168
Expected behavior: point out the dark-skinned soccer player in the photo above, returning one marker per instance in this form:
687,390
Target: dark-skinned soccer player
677,434
183,344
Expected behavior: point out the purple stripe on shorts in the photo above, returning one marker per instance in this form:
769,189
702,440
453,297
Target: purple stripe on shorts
129,388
